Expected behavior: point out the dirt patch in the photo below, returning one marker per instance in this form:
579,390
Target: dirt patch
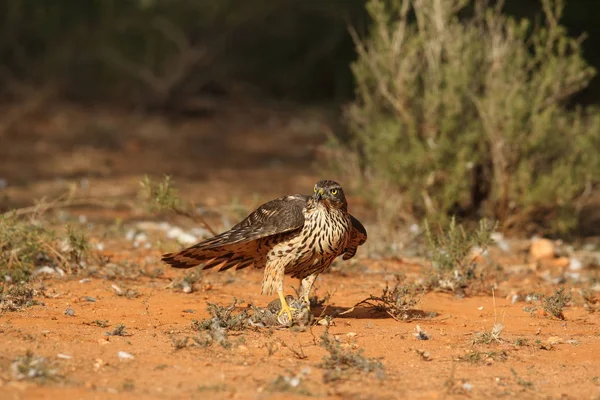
535,356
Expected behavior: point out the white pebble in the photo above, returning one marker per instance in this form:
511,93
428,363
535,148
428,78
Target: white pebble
45,270
575,264
125,356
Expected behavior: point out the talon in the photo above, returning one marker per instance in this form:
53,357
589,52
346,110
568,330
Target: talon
285,308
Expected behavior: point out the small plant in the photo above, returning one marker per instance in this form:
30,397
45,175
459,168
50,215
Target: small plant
223,319
555,304
16,297
78,248
126,292
224,316
179,344
120,330
521,342
27,245
552,305
521,381
291,384
163,197
590,302
31,367
102,323
396,301
476,357
340,361
454,265
489,337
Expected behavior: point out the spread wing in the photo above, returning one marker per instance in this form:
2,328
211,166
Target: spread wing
237,246
358,236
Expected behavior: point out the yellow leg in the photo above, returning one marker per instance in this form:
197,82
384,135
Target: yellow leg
285,308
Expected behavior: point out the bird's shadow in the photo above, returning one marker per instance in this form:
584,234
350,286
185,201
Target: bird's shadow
369,312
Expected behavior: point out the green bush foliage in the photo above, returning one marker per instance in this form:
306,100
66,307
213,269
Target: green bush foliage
466,111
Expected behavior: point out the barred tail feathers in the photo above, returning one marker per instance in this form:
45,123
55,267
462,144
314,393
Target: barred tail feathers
216,251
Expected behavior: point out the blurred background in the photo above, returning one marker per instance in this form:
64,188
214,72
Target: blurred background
475,114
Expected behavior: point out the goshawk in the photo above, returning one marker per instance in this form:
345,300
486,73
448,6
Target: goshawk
295,235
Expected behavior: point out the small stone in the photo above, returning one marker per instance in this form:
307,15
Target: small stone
45,270
554,340
575,264
540,249
351,334
117,289
69,312
98,363
123,356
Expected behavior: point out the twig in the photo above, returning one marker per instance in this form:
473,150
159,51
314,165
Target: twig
60,202
195,216
62,258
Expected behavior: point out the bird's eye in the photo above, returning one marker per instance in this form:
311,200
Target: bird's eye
334,191
315,189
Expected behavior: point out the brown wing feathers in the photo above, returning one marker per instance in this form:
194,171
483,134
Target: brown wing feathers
358,236
237,247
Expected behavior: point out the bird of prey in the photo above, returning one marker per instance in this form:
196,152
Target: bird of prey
293,235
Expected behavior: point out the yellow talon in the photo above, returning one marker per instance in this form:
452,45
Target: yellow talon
285,308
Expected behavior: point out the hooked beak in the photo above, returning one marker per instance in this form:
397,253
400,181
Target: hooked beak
319,194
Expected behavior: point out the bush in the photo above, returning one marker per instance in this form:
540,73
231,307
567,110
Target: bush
157,53
464,110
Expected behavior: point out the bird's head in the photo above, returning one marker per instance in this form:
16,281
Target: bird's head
330,193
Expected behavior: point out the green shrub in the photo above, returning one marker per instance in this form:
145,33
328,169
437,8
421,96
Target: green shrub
453,253
464,110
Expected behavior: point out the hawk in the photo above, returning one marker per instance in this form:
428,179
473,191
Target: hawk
293,235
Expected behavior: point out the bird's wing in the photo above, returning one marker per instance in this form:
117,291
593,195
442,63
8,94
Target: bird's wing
237,246
277,216
358,235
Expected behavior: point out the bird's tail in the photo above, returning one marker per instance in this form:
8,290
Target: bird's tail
226,256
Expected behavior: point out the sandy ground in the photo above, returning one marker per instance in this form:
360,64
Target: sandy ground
159,317
534,356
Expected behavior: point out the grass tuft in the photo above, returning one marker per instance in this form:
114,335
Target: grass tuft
32,367
16,297
340,362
